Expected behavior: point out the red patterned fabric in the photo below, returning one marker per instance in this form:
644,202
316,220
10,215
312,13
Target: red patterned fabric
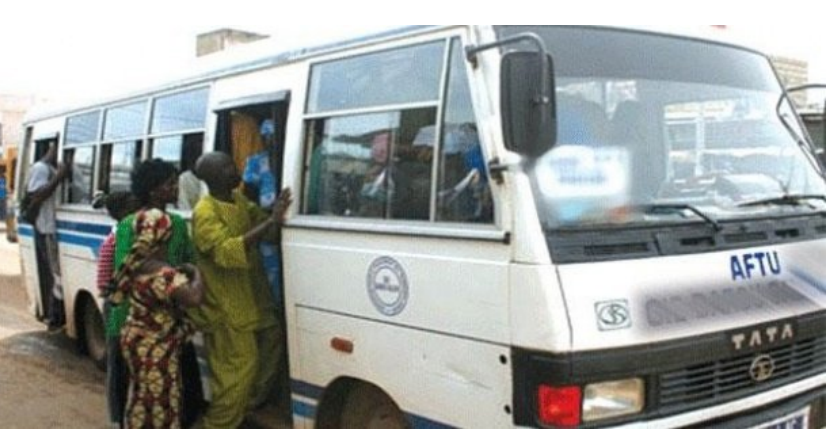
106,254
151,343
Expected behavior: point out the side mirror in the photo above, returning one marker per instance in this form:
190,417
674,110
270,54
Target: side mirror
528,103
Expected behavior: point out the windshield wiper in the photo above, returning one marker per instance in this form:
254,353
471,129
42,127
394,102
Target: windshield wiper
675,208
784,200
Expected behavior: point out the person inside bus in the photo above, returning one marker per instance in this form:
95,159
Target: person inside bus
154,183
239,316
118,205
156,329
44,179
378,184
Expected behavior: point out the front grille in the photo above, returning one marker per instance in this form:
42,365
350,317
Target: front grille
729,379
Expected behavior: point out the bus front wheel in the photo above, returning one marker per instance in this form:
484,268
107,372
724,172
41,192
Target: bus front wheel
367,407
94,336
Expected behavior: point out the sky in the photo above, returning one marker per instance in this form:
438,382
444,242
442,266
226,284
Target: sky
83,49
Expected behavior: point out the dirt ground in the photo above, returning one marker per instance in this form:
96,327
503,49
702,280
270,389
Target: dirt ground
44,382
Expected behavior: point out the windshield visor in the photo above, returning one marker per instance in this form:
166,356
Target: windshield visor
647,120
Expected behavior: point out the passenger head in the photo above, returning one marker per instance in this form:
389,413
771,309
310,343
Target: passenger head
380,148
155,183
218,171
121,204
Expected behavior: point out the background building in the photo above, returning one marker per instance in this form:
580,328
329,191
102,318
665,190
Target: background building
13,109
222,39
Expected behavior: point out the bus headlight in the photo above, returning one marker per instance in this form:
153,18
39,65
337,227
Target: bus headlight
603,401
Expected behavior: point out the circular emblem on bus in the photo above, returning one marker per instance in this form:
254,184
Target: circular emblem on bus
762,368
387,286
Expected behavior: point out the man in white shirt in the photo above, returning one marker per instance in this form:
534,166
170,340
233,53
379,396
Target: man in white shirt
43,182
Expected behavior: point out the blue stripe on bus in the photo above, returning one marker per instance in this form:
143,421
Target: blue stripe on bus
25,231
419,422
86,228
315,393
307,390
91,243
303,410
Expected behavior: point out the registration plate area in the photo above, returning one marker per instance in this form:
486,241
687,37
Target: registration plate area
799,420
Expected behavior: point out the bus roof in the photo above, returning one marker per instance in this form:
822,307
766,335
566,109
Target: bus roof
265,54
242,59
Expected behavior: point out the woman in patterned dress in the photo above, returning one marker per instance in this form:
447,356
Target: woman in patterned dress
156,327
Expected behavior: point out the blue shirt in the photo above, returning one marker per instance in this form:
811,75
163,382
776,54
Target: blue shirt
2,188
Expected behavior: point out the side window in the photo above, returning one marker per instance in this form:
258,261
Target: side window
178,128
371,140
82,134
123,131
463,190
372,166
78,188
118,160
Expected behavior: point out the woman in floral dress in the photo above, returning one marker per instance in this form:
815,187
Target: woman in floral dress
156,327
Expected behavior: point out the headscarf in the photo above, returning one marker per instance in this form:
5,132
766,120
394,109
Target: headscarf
152,230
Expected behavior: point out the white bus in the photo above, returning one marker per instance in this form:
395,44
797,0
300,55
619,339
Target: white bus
505,226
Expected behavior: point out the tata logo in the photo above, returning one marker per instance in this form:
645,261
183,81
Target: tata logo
762,368
755,265
613,315
387,286
763,337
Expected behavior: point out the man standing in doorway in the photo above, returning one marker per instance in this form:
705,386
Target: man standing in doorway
238,315
44,179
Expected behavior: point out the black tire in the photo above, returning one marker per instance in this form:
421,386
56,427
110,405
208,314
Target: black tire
367,407
94,335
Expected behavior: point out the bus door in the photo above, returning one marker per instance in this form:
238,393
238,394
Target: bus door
252,131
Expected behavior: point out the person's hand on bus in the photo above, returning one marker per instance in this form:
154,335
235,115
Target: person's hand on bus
281,207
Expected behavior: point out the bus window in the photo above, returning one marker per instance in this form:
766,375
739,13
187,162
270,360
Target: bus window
82,132
463,186
117,163
78,188
181,151
374,164
178,132
121,152
180,112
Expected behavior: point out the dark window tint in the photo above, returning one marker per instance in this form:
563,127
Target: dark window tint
125,122
463,190
182,151
82,128
372,166
180,112
79,184
399,76
117,163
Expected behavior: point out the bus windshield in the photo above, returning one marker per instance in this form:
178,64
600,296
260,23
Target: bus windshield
648,121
